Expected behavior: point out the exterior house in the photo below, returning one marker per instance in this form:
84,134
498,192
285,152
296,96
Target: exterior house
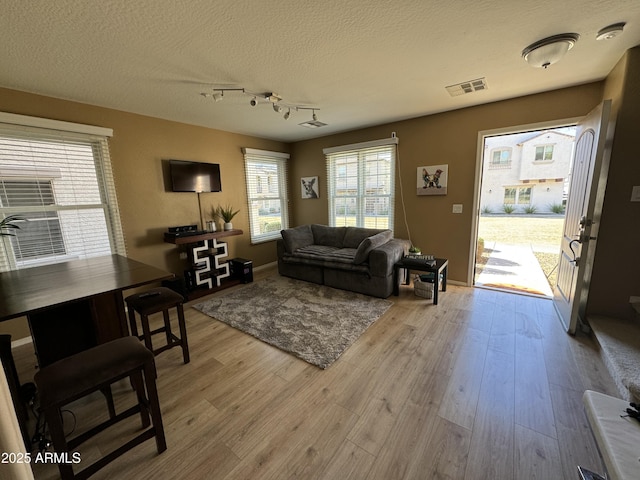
526,171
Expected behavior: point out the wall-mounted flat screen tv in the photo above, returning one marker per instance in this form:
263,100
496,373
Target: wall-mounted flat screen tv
194,176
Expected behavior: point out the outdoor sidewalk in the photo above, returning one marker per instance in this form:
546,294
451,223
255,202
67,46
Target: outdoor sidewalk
524,274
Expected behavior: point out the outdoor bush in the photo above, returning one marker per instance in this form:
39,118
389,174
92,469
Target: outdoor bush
486,210
270,227
556,208
508,208
530,209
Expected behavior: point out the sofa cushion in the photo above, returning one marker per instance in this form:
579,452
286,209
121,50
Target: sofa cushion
329,258
298,237
326,253
355,235
329,236
369,243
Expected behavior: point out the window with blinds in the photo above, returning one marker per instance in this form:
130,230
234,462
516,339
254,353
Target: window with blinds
61,183
361,184
266,176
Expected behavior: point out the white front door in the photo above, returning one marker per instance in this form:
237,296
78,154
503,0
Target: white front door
582,212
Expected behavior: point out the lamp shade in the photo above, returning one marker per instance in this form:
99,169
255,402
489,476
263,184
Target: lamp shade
549,50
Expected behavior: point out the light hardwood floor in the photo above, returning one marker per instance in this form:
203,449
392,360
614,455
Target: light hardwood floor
485,385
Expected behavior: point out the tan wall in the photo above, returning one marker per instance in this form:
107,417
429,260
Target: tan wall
138,146
616,268
139,143
449,138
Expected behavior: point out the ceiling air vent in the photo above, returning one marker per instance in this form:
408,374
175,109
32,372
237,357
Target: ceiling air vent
467,87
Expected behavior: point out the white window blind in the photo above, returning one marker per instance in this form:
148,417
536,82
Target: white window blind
361,181
61,182
266,176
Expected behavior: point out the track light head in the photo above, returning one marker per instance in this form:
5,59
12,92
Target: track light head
253,102
277,108
314,122
287,115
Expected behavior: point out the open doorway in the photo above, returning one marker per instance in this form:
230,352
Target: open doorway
523,187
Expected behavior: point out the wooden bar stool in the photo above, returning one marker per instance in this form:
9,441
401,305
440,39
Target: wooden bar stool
95,369
156,300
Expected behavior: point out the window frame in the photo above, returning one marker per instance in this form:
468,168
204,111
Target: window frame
360,199
500,151
517,193
544,148
18,134
266,191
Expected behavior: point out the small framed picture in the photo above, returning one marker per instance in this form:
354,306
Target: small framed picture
309,186
432,180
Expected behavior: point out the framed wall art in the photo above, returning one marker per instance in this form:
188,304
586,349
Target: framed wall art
309,187
432,180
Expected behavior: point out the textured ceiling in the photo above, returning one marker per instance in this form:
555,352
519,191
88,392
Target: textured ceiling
360,62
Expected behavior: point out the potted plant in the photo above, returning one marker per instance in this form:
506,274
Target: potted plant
8,225
226,214
414,249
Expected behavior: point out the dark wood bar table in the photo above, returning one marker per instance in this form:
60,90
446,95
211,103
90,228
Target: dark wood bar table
72,306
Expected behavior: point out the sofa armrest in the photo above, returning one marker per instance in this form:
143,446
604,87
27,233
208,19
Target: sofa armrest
383,258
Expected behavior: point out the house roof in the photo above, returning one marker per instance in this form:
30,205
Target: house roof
358,62
547,132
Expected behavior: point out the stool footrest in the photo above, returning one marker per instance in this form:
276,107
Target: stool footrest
83,437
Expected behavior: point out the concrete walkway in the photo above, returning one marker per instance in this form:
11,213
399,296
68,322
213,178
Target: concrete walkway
514,267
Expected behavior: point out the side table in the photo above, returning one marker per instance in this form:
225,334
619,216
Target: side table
440,267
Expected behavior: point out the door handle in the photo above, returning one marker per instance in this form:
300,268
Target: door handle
575,258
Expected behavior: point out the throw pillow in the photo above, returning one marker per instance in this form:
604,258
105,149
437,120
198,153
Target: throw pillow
297,237
355,235
369,243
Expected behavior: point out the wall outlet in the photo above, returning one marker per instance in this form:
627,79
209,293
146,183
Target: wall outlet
634,299
635,194
457,208
183,255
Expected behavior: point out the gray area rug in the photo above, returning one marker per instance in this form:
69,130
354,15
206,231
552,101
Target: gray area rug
313,322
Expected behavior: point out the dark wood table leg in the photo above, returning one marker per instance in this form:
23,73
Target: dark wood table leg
436,281
444,278
396,280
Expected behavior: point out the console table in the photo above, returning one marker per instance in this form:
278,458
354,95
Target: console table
204,272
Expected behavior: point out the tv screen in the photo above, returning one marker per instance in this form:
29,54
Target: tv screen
195,176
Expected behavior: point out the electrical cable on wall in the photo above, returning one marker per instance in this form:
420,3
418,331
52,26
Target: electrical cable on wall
404,210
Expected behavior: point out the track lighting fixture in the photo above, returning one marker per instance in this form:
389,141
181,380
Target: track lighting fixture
314,122
276,101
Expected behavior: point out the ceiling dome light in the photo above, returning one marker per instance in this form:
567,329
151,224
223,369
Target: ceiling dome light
612,31
549,50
